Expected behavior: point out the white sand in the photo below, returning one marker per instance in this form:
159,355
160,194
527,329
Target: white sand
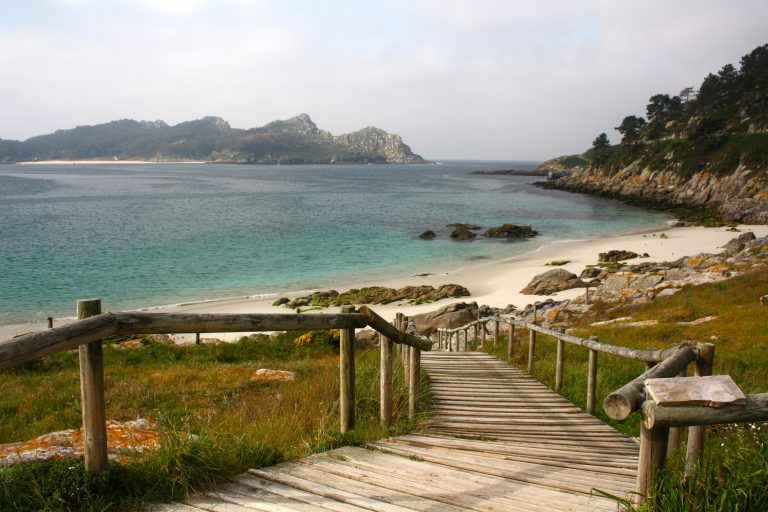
496,283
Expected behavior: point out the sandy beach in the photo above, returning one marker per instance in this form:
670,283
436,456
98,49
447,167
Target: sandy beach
495,283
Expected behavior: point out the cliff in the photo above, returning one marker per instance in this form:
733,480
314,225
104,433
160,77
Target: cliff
297,140
705,148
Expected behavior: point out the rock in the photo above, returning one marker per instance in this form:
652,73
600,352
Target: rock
738,244
380,295
593,273
510,231
427,235
615,256
266,375
702,261
447,317
552,281
663,235
462,233
281,301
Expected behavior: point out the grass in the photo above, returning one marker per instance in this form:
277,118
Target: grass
735,468
557,263
204,390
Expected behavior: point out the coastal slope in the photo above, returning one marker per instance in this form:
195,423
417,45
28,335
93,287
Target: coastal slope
297,140
705,148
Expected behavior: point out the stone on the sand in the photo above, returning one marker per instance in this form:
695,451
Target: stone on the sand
512,231
266,375
614,256
552,281
736,245
447,317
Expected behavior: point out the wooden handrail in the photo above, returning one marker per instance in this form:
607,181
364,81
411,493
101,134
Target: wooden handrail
755,408
620,404
384,327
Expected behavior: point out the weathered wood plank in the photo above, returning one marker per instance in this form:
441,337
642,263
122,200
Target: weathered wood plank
710,391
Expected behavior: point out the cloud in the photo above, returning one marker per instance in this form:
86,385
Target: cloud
481,79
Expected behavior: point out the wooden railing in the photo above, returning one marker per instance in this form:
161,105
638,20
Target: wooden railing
92,326
661,424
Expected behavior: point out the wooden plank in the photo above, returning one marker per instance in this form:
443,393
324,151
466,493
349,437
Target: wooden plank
711,391
288,492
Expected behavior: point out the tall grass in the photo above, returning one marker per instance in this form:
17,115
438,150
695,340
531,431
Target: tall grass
201,390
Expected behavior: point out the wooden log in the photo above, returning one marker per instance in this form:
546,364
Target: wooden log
382,326
696,435
560,362
347,376
495,332
754,410
653,452
92,394
385,382
510,340
170,323
624,401
38,344
591,381
414,383
531,349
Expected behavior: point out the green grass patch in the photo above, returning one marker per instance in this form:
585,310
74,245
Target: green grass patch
203,390
557,263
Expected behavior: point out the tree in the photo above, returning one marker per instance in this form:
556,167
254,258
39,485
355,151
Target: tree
601,142
687,94
630,129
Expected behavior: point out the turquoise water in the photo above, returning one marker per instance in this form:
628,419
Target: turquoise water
144,235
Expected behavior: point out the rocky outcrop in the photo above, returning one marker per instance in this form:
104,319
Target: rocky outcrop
427,235
614,256
376,295
741,195
510,231
552,281
462,232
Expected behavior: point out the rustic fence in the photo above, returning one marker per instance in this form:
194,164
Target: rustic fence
92,326
661,422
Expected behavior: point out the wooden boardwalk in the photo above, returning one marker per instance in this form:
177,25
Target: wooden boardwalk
498,441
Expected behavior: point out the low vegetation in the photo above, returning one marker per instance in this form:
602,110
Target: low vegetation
204,390
735,467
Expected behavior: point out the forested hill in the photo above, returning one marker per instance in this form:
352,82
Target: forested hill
705,147
293,141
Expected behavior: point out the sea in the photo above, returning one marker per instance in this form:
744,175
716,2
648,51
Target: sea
144,235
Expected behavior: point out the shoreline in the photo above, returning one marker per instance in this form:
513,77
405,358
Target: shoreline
495,282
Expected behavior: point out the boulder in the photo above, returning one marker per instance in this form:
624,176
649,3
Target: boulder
739,243
427,235
267,375
447,317
593,273
510,231
615,256
552,281
471,227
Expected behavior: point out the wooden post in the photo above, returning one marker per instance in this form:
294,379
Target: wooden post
653,449
495,332
92,394
510,340
673,443
50,322
414,374
559,365
197,338
531,349
466,339
385,382
586,296
482,334
695,449
592,381
450,341
347,375
477,332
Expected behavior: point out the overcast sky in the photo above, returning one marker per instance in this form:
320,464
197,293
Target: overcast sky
475,79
